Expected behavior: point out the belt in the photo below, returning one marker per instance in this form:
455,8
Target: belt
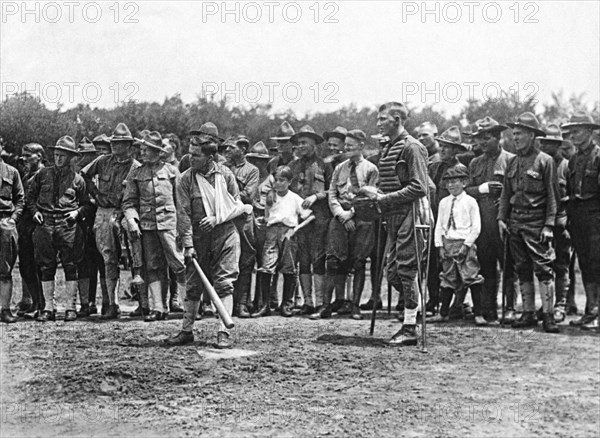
530,211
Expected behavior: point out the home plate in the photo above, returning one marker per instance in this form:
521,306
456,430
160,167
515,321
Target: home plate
232,353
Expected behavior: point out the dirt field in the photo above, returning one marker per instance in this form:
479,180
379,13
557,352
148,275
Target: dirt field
295,377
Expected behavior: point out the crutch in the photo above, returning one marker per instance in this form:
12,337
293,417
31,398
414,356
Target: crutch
504,276
376,293
425,230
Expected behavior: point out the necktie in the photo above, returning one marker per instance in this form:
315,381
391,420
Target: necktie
451,223
353,177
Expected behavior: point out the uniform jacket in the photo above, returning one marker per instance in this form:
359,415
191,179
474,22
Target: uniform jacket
111,175
583,182
58,191
12,195
247,176
312,177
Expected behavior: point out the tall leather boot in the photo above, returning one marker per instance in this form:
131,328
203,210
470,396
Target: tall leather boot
5,297
326,285
274,290
339,282
357,288
84,299
113,310
489,299
289,286
105,299
265,291
306,284
242,290
256,302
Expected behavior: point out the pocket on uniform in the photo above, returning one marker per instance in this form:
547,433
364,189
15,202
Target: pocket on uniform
6,189
534,182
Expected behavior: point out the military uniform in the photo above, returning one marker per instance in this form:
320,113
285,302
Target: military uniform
11,208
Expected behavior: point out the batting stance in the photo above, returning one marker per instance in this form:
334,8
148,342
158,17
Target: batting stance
403,181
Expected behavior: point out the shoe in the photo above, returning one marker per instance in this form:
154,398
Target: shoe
307,310
322,312
137,280
243,311
585,319
223,341
337,305
527,319
263,311
548,323
46,315
346,308
406,336
31,315
480,321
539,314
175,308
356,315
155,315
438,318
181,338
139,311
24,306
369,305
104,309
70,315
509,317
7,317
559,314
93,309
112,312
207,310
84,311
571,310
286,311
592,325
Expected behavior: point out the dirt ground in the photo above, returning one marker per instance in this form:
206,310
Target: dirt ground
295,377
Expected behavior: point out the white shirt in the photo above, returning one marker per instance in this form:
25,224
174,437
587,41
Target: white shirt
286,209
466,219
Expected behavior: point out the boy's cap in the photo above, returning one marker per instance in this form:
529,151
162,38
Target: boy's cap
456,172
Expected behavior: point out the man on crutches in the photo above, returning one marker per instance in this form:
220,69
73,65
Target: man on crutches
403,182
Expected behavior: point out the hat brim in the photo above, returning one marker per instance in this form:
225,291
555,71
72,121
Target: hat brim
538,132
280,138
451,143
593,126
314,136
60,148
463,176
141,141
88,151
327,135
120,138
492,130
550,139
261,156
214,137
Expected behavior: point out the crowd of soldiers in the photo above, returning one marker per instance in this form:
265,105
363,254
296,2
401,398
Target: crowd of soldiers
314,209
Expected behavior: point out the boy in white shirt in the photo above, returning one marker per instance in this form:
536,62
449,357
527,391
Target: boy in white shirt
458,226
282,210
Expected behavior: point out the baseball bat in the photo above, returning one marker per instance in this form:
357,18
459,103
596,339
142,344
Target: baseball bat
225,317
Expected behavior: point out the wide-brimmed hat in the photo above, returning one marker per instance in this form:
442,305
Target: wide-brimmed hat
67,144
85,146
528,121
306,131
487,124
456,172
237,140
427,126
452,137
101,139
121,133
284,133
581,118
152,139
357,135
339,132
259,150
553,133
208,131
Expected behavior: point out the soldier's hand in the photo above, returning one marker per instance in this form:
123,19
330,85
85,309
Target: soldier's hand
208,223
503,229
546,235
189,254
350,225
71,217
495,188
308,202
38,217
134,229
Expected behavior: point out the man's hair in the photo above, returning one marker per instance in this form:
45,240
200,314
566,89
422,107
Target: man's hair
284,172
35,148
395,109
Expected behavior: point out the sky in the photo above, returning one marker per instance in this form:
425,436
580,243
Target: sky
306,56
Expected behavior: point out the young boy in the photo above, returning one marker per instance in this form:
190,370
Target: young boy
458,226
281,214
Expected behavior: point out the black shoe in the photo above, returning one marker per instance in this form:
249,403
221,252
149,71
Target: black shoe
287,311
549,324
337,305
306,310
346,308
175,308
23,308
527,319
104,308
356,315
139,311
585,319
322,312
181,338
112,312
223,341
263,311
539,314
84,311
571,310
70,315
406,336
7,317
243,311
93,309
46,315
369,305
155,315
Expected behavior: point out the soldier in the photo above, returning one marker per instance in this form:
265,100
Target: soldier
403,181
258,155
527,212
284,147
550,144
486,174
350,240
211,130
311,182
246,176
208,234
151,209
426,134
102,144
12,202
584,210
334,146
111,172
57,199
32,302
